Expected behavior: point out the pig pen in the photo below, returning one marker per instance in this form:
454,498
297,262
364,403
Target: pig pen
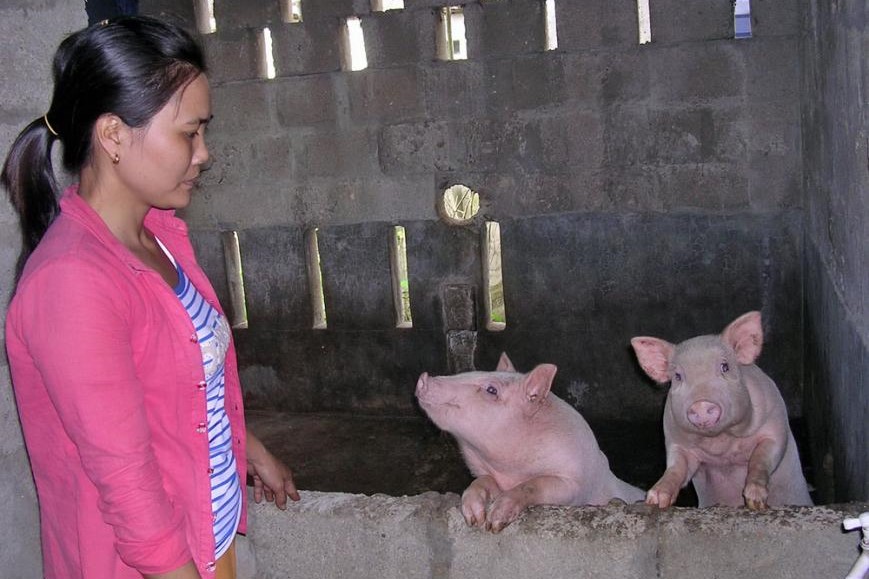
381,484
657,187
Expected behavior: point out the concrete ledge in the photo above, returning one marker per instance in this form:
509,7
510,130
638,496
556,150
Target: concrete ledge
336,535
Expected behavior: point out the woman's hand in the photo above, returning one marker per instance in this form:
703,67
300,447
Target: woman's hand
272,479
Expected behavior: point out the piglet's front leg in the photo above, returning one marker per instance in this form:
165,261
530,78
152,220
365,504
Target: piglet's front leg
541,490
679,471
476,499
764,460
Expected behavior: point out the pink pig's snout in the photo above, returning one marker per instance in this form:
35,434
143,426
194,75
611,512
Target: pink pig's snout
421,384
704,414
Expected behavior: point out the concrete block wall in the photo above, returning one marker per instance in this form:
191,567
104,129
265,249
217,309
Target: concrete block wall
29,34
574,129
836,175
339,535
693,132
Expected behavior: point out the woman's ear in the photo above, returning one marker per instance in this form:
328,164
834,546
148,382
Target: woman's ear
110,134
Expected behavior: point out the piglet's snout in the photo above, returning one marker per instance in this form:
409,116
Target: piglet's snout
704,414
422,384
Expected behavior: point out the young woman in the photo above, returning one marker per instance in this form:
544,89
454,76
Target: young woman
122,361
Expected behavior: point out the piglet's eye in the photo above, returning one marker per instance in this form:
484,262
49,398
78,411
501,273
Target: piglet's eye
725,367
677,376
492,390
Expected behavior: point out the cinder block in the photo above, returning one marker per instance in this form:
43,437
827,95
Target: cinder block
776,18
399,38
389,95
525,82
697,72
581,543
455,90
336,153
307,47
509,28
569,143
793,542
243,108
619,76
772,70
233,54
584,24
304,100
711,186
677,21
180,13
413,148
275,280
334,9
341,535
257,14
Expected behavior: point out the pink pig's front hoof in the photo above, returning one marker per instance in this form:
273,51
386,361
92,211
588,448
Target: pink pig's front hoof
755,496
474,511
660,498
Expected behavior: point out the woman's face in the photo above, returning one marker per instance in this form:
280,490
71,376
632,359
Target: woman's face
162,162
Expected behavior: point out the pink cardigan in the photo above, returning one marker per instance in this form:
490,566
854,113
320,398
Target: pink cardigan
108,378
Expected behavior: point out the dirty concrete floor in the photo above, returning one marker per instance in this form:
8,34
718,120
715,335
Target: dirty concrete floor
408,455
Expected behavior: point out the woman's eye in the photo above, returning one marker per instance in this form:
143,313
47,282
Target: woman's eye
725,367
492,390
677,376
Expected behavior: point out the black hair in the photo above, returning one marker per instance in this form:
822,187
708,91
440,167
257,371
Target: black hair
129,66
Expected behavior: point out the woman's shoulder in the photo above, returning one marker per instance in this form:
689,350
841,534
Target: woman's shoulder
69,254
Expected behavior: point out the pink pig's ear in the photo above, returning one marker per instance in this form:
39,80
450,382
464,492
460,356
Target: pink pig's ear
538,382
745,336
504,364
654,355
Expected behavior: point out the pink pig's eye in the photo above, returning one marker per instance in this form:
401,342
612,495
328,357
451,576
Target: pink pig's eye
677,377
725,367
492,390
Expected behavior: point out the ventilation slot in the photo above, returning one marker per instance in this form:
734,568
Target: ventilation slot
204,13
315,279
452,43
267,57
384,5
493,280
291,11
353,45
400,282
551,30
742,19
234,279
644,21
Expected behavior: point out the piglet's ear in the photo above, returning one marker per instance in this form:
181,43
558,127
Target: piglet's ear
538,382
745,336
504,364
654,356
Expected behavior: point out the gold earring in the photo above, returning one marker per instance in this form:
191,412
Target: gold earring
116,159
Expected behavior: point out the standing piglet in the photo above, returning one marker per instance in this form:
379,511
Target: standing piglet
725,423
524,445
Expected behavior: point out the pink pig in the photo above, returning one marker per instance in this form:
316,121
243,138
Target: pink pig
725,423
524,445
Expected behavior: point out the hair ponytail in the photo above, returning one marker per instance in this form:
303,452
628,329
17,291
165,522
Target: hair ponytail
28,177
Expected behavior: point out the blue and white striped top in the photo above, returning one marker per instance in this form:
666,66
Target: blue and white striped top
213,333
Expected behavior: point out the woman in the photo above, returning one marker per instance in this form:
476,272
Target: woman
122,363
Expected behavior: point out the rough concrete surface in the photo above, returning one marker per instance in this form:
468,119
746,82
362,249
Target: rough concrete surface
334,535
